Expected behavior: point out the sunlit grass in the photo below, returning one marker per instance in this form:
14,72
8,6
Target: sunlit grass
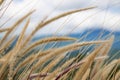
28,60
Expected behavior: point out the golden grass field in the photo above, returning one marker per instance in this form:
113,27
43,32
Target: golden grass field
19,63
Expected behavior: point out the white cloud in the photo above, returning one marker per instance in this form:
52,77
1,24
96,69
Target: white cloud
104,19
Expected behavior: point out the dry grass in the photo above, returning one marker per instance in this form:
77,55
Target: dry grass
1,1
20,63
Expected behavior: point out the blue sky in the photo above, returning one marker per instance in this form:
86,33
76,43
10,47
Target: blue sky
107,16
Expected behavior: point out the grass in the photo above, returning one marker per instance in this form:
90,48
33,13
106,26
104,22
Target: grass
50,64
